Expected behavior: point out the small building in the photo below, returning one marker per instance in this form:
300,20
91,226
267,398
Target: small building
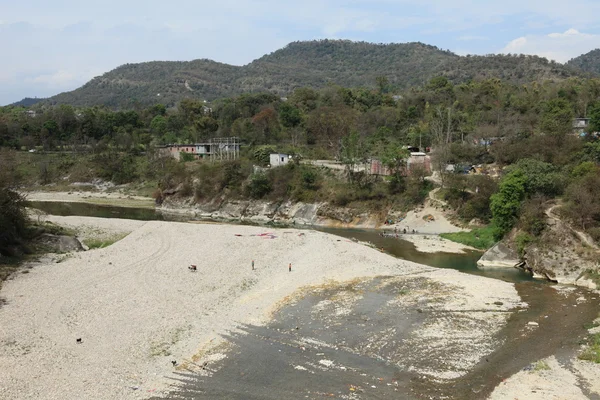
278,159
581,126
203,150
217,149
378,168
419,160
176,149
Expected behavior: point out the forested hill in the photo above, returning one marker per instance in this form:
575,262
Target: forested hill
27,102
589,62
313,64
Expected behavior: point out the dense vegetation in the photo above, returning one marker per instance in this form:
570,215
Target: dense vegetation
589,62
524,132
313,64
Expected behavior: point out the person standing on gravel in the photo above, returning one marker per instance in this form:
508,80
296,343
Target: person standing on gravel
290,267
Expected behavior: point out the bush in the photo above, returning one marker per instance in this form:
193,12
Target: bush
505,204
259,186
482,238
522,240
186,157
532,219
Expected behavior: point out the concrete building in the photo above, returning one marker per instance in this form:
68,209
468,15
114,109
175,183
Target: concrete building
278,159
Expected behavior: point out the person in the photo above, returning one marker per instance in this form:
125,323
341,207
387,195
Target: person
290,267
404,231
252,265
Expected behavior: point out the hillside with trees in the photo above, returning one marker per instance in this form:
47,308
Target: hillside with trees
589,62
315,64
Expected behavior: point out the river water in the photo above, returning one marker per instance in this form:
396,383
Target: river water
397,247
256,370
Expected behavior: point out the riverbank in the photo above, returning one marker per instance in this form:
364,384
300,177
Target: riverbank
137,307
427,222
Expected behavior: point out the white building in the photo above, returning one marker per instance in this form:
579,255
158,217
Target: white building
277,159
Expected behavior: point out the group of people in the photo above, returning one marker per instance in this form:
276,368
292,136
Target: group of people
404,231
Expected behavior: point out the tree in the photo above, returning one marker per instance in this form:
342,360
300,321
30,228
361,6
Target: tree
13,218
159,125
352,153
289,115
583,199
382,84
505,204
594,115
557,117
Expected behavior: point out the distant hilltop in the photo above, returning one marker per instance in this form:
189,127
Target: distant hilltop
312,64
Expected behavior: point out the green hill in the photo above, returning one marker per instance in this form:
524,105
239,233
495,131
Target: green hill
27,102
299,64
589,62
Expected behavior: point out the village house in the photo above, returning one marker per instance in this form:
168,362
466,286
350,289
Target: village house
580,126
416,159
278,159
217,149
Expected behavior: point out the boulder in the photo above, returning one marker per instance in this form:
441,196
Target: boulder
499,256
61,243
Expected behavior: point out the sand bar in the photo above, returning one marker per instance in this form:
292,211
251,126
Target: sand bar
137,307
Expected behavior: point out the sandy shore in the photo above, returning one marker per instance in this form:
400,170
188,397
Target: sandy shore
435,244
551,379
136,306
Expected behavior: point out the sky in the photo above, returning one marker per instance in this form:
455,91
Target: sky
49,47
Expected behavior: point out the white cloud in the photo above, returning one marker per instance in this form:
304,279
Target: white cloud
560,47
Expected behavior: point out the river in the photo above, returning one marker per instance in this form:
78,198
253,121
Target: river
560,315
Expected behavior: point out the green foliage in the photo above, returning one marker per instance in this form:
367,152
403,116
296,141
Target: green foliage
480,238
592,351
591,151
594,115
306,64
540,177
522,240
261,154
505,204
589,62
13,218
557,117
259,186
289,115
186,157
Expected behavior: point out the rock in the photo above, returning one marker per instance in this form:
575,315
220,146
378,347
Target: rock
532,323
499,256
61,243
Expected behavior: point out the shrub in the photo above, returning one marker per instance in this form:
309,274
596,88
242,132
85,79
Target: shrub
532,219
505,204
186,157
522,240
259,186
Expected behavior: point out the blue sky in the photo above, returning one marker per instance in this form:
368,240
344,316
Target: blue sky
49,47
